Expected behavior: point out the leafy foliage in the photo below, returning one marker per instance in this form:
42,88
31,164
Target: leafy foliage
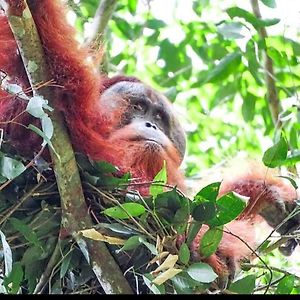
218,66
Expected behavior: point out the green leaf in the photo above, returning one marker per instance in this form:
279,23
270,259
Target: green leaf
202,272
292,159
249,17
13,280
254,66
10,168
104,167
26,231
242,13
204,211
210,241
231,30
245,285
7,253
152,39
286,285
132,243
160,177
47,127
36,106
296,48
150,246
184,253
34,266
116,227
276,154
199,5
229,207
155,24
294,133
210,192
277,56
181,228
155,289
132,4
269,3
184,284
171,93
296,291
56,288
127,30
261,248
2,179
111,181
224,93
268,22
48,222
15,89
172,206
43,135
291,180
65,265
248,107
172,55
125,211
181,215
193,231
228,65
181,218
286,115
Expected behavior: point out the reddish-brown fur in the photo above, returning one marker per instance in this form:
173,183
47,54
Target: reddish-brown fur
78,96
88,124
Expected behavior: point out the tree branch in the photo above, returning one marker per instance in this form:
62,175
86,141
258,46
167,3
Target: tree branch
272,95
275,269
75,215
101,18
100,21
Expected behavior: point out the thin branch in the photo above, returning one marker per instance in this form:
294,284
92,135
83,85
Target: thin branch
30,164
260,288
100,21
10,211
276,245
254,252
293,213
275,269
51,264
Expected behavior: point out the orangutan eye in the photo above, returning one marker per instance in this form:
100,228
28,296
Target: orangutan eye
138,107
158,116
161,118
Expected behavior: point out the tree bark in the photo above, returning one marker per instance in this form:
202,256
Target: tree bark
272,95
75,215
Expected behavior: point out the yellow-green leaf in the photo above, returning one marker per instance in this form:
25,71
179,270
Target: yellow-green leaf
163,277
97,236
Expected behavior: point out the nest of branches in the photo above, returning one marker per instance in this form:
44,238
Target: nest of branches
42,257
39,254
